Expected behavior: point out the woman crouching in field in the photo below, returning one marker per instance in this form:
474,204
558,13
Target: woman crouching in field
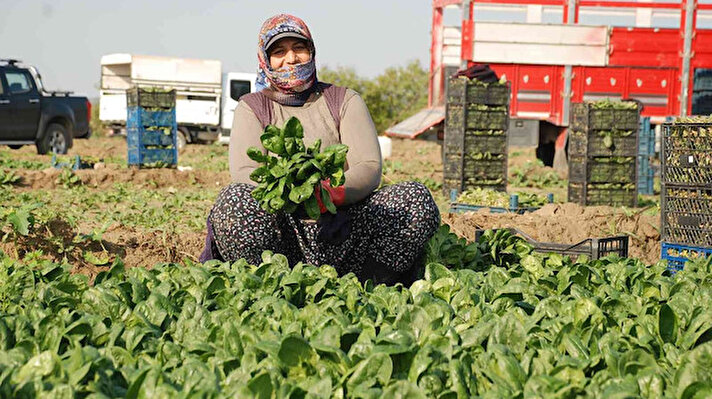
378,235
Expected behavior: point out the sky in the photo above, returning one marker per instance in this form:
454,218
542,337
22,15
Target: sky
65,39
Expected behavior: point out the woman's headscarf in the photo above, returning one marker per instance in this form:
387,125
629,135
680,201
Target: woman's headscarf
290,84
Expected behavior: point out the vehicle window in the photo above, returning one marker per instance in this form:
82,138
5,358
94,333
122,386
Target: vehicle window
1,89
239,88
18,82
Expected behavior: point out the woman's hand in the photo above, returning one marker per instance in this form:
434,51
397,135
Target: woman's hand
337,194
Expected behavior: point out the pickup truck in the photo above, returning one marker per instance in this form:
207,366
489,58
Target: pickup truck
29,114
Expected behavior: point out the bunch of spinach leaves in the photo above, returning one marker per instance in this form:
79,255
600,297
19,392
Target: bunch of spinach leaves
288,178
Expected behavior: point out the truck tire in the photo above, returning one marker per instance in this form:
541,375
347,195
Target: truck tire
56,139
181,139
15,146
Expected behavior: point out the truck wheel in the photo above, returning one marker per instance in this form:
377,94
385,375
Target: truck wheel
181,139
56,140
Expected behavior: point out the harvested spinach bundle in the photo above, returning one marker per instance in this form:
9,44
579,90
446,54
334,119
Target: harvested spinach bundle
288,178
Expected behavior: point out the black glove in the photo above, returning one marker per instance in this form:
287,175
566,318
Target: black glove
481,72
334,228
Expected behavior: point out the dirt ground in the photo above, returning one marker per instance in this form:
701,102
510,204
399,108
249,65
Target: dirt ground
569,224
560,223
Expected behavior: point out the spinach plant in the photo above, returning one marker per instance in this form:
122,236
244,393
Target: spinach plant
289,171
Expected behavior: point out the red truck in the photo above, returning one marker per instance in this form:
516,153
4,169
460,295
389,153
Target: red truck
551,59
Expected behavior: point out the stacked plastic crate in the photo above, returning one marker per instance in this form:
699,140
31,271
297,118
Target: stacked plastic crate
475,142
686,203
702,92
151,127
603,153
646,151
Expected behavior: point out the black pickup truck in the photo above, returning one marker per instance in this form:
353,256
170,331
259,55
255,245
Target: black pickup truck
31,115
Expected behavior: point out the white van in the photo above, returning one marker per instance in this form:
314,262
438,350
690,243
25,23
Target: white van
205,96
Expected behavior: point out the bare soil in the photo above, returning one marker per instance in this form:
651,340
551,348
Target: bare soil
111,174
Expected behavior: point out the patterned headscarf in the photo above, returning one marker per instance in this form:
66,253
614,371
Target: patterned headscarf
291,84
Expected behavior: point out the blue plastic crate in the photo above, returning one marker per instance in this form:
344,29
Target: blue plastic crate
646,141
646,176
151,136
148,137
140,117
514,207
676,262
148,156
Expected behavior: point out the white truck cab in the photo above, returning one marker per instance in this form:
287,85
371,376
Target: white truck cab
235,85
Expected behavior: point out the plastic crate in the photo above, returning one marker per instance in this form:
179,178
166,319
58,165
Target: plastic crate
594,248
76,163
677,255
150,98
472,171
514,206
137,116
591,195
687,215
687,154
646,176
477,119
477,142
585,117
151,137
702,102
593,144
702,79
602,170
646,137
492,143
464,91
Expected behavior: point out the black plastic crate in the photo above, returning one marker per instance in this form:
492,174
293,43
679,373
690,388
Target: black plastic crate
603,169
594,194
493,142
594,248
150,98
456,166
702,79
687,215
486,119
484,169
702,102
686,155
597,144
486,142
584,116
465,91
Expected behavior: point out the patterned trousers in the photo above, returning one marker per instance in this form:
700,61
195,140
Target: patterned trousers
389,230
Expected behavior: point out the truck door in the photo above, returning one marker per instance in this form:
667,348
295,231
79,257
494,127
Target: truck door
25,101
5,113
237,88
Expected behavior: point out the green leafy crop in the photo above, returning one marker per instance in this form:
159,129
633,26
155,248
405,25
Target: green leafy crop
287,179
490,319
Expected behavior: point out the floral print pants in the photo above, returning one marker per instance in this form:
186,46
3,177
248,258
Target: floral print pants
389,230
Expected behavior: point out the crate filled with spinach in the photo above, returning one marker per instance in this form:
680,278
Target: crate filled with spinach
151,127
602,169
476,140
603,194
605,115
686,154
